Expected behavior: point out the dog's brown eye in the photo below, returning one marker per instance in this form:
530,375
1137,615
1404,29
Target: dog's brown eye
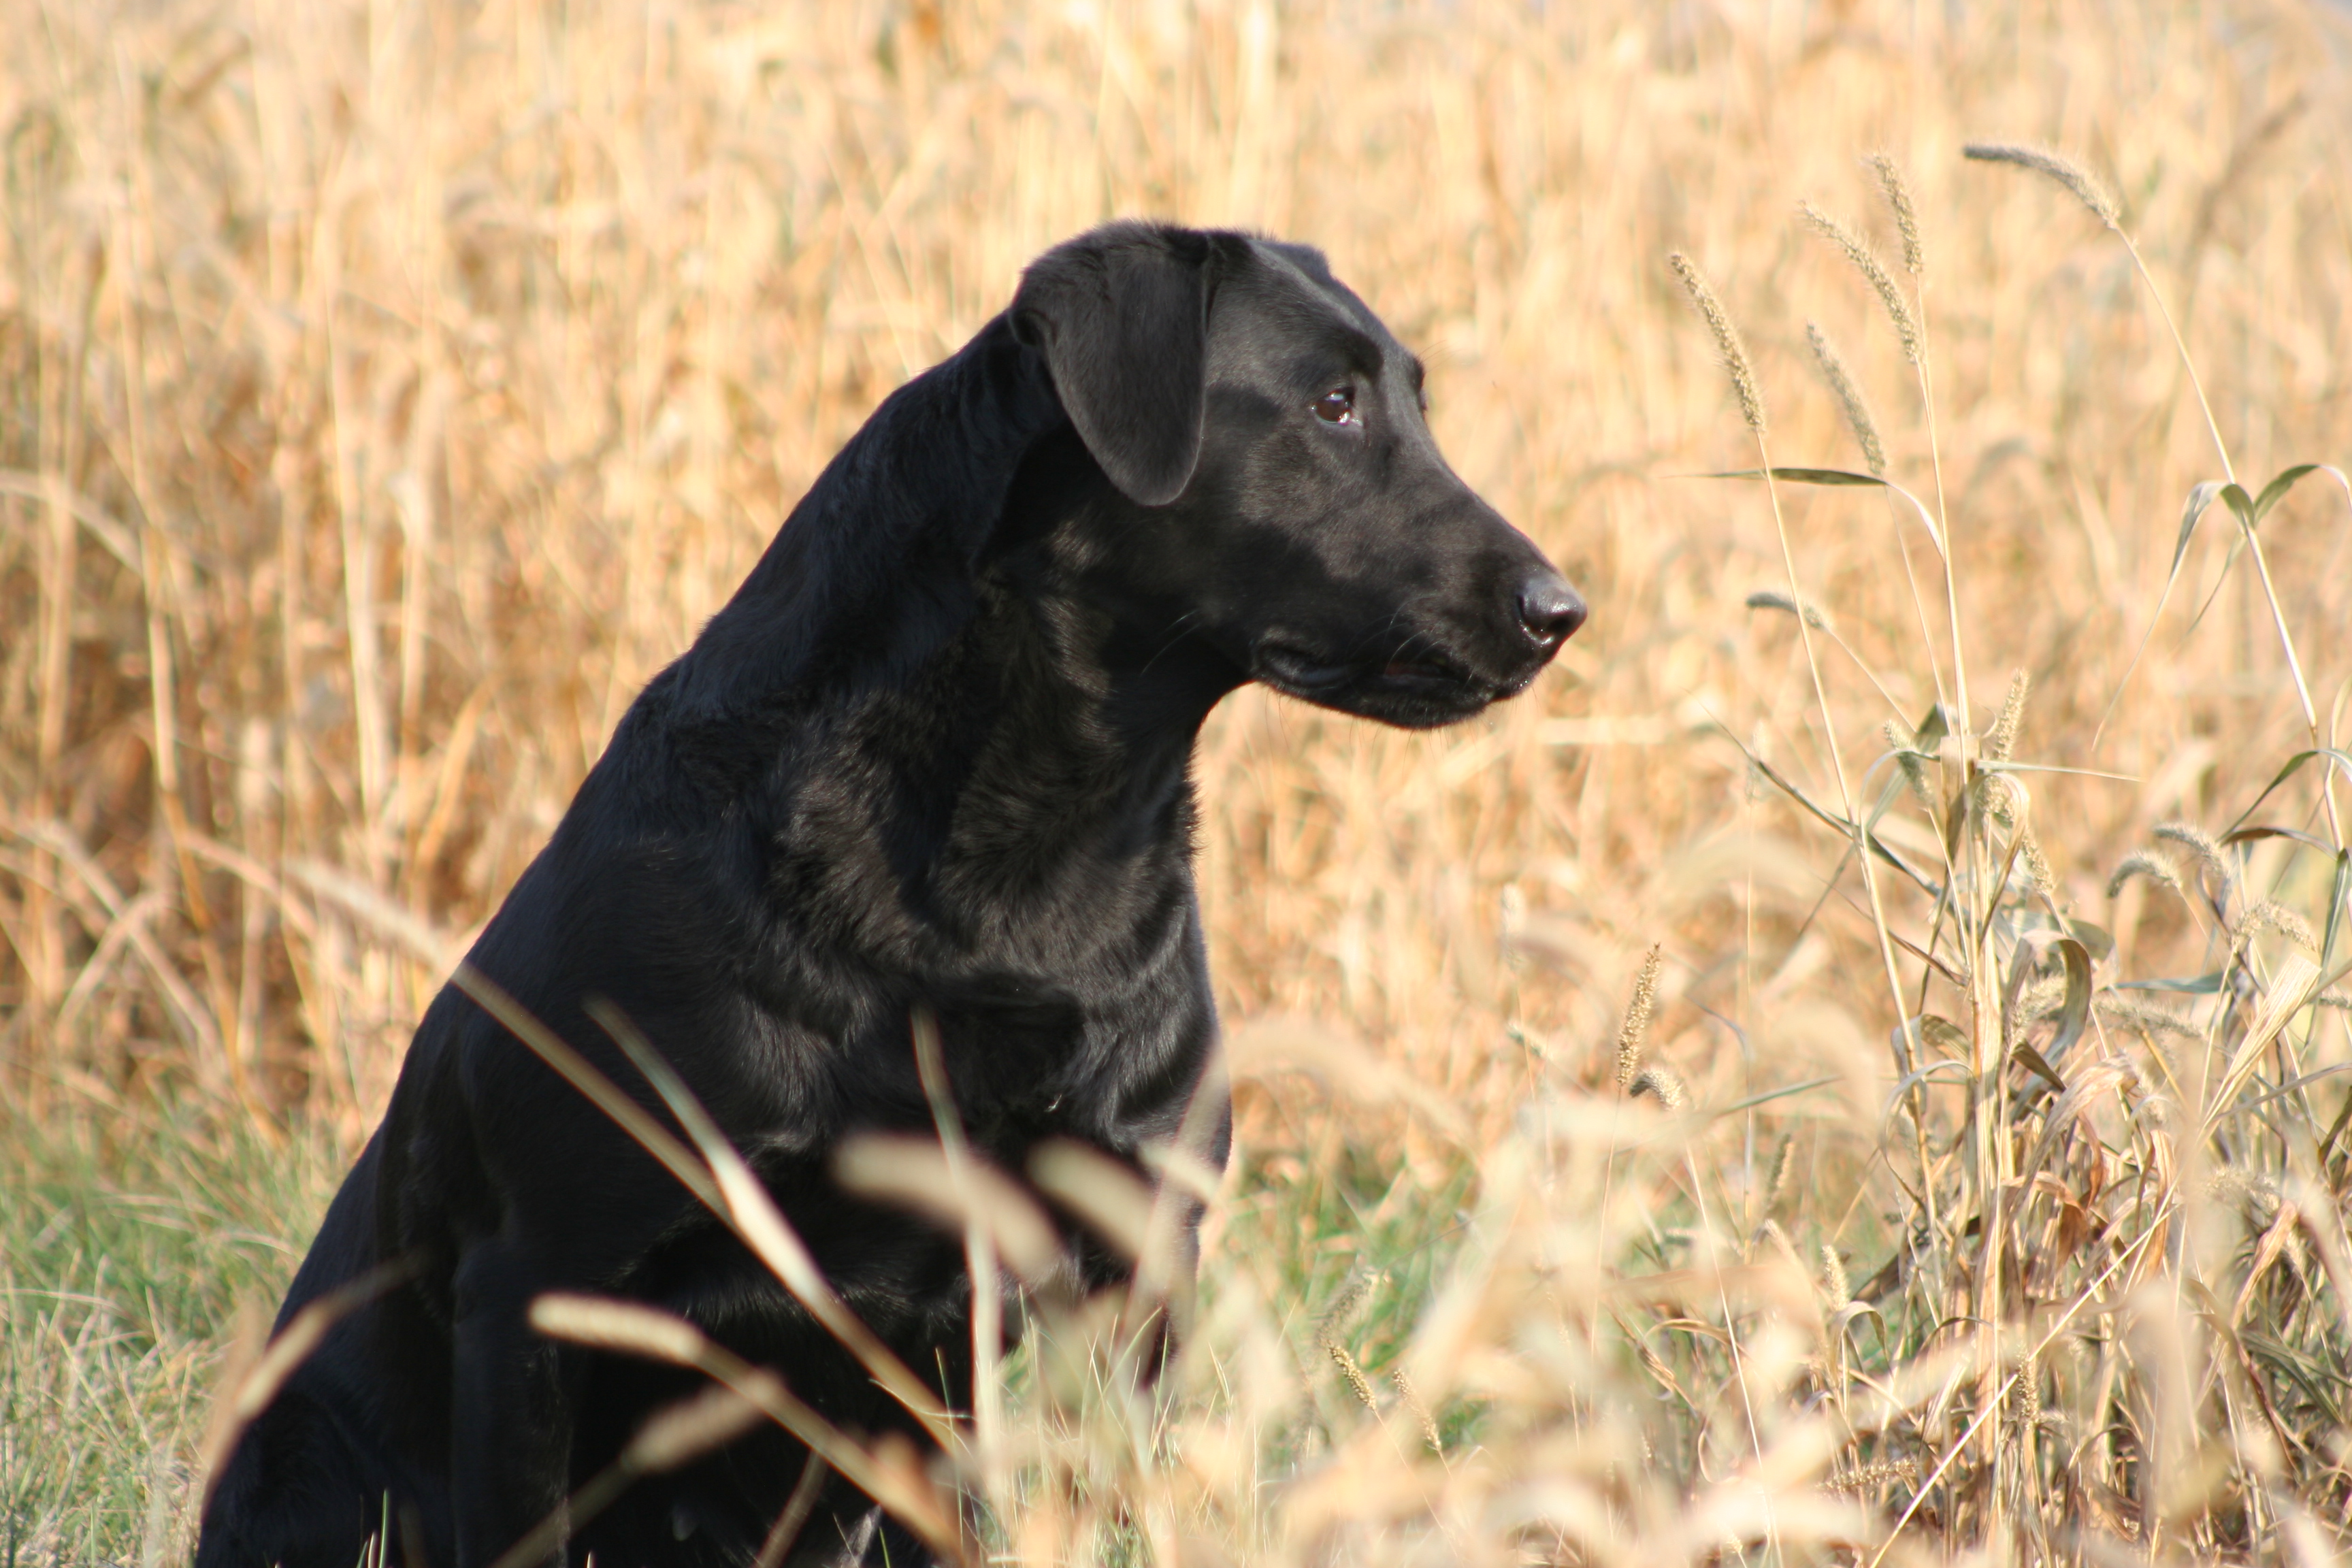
1336,407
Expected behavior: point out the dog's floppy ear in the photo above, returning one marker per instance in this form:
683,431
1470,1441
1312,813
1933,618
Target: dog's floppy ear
1121,315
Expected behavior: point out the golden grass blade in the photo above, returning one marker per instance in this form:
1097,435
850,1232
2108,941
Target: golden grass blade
284,1354
1111,1198
1992,1408
690,1428
2292,986
1840,477
633,1329
1265,1047
916,1173
959,1173
676,1434
747,1206
785,1533
583,1075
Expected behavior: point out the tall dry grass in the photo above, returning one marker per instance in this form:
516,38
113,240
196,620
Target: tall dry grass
391,389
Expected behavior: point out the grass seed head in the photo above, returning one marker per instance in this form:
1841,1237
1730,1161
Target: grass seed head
2140,863
2026,1399
1898,202
2086,190
2208,850
1774,599
1913,761
2001,797
1782,1164
1662,1082
1834,1278
2235,1184
1635,1031
1873,272
2039,1001
2145,1016
1353,1370
2269,914
1410,1398
2002,739
1355,1294
1871,1477
1849,399
2037,864
1726,340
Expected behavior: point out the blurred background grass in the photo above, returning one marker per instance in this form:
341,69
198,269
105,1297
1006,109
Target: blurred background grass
390,389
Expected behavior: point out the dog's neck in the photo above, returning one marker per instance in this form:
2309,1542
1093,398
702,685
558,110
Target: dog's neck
871,569
933,604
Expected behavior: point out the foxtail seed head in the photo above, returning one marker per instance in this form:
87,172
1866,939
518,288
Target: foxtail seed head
1347,1304
1773,599
2140,863
2269,914
2002,739
1782,1165
1870,1477
1726,340
1662,1083
2037,865
1914,763
1907,221
2086,190
1353,1370
2208,850
2146,1018
1898,308
1849,399
1410,1398
1635,1030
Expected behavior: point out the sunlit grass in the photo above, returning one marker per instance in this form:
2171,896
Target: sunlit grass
390,391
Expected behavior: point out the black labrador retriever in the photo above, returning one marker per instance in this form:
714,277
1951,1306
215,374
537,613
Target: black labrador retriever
934,753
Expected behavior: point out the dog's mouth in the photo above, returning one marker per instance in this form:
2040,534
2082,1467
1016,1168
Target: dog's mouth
1286,667
1425,670
1418,686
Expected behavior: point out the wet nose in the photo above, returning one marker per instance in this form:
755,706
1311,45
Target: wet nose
1549,609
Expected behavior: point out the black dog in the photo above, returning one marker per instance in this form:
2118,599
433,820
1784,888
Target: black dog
934,753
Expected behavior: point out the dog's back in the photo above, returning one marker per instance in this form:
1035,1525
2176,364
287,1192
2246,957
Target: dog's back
933,755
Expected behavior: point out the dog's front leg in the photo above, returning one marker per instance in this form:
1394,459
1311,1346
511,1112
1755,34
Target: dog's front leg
510,1411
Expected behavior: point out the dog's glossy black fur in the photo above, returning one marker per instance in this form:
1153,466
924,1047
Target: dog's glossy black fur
933,753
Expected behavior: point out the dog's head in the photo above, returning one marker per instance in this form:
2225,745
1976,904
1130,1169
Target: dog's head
1291,509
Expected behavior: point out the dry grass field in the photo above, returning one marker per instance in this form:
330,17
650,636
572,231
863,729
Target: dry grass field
387,390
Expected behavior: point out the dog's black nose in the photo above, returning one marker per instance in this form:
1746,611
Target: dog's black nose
1549,608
